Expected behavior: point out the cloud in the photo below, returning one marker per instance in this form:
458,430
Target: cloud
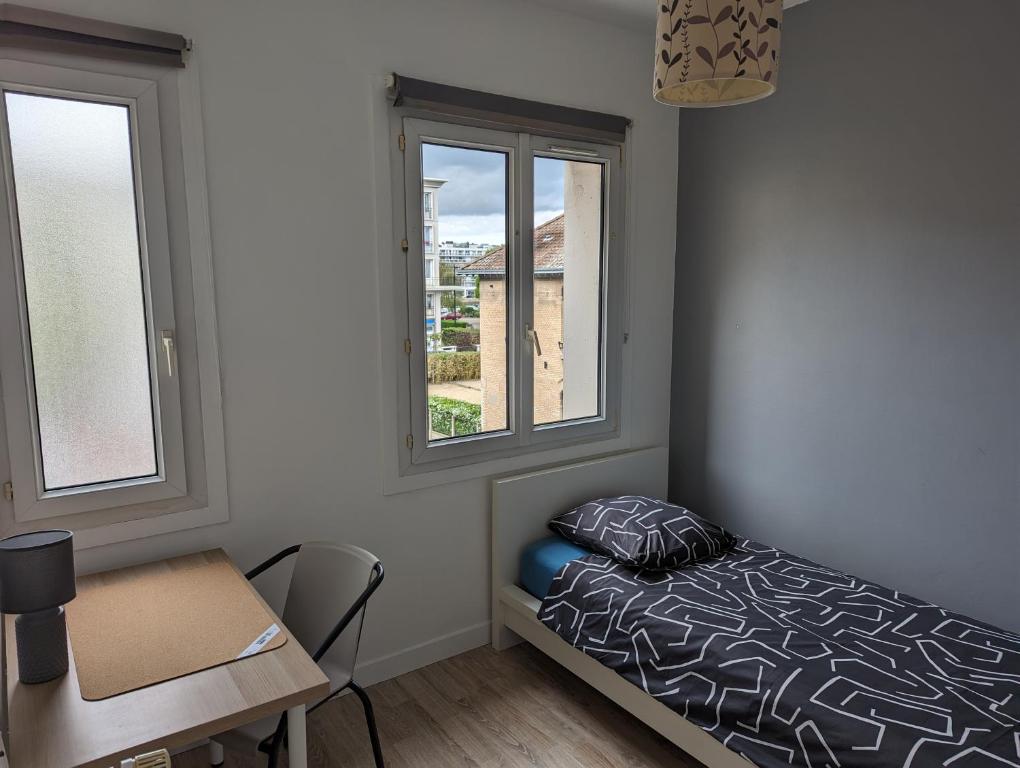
488,229
476,181
548,186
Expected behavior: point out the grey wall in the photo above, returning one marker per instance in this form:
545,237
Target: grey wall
846,367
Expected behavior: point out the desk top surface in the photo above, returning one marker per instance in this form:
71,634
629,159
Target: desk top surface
51,726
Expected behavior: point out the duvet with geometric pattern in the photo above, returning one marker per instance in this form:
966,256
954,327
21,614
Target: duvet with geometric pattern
791,663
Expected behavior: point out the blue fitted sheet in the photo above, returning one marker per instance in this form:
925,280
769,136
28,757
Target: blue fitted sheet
542,560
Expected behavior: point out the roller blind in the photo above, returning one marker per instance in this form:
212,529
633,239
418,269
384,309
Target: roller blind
507,110
36,29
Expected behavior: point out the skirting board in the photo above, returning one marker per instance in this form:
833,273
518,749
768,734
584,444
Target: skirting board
519,613
421,655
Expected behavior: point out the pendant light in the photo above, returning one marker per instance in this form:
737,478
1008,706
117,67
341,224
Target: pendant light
715,53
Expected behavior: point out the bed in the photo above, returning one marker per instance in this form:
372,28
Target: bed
757,656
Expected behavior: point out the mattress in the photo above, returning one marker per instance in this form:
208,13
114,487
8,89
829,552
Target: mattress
788,662
542,560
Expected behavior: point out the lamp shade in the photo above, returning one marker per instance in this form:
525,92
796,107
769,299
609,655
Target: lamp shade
714,53
36,571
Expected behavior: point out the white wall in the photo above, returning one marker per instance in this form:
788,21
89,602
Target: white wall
289,141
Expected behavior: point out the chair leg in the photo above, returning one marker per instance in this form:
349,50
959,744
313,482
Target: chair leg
277,743
215,753
373,734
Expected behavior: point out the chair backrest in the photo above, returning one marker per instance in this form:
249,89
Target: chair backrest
327,580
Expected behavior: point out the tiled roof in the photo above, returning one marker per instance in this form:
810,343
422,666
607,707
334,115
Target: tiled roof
548,253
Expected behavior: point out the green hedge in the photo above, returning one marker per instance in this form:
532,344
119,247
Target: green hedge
453,324
466,418
460,337
453,366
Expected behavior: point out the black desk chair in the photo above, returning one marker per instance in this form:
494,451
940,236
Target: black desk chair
329,580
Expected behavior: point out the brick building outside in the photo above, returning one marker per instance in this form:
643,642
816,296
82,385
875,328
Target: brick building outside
548,293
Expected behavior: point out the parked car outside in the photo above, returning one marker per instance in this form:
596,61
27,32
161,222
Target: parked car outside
452,316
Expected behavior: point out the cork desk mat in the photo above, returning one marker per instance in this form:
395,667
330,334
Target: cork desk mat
142,625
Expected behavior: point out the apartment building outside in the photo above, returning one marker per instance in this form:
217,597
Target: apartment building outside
461,254
434,255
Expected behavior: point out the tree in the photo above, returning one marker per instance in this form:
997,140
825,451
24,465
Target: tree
448,276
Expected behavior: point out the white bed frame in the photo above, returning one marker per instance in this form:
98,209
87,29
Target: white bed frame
521,507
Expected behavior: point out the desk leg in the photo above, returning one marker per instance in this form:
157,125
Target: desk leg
297,743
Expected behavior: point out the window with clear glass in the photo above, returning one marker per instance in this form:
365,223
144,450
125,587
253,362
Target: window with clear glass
522,303
74,185
428,205
466,362
567,289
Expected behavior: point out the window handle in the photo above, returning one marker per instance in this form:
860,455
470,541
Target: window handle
169,349
533,335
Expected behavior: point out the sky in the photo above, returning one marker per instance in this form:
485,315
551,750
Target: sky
472,203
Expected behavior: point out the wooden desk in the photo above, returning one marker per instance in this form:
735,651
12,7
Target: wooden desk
51,726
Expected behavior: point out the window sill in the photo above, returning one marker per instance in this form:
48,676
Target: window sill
88,533
422,476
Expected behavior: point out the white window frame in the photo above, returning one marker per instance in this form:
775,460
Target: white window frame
169,481
416,453
165,121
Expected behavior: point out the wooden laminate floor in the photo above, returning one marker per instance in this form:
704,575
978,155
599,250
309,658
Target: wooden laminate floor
482,709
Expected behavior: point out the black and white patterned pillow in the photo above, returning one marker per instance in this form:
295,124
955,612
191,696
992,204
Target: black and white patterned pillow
642,532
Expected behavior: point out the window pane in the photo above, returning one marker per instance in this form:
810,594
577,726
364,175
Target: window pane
567,289
466,331
83,283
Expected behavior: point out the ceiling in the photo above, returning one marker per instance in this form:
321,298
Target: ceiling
634,14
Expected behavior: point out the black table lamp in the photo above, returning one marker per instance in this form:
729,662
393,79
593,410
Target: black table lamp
36,579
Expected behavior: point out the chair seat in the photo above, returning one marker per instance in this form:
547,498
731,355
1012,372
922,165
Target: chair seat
338,674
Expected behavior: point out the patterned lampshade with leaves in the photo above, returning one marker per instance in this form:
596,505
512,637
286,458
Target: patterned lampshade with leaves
714,53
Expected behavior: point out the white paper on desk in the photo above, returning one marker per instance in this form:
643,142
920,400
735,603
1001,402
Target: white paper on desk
260,642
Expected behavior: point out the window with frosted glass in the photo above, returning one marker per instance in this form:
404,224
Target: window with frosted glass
80,252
